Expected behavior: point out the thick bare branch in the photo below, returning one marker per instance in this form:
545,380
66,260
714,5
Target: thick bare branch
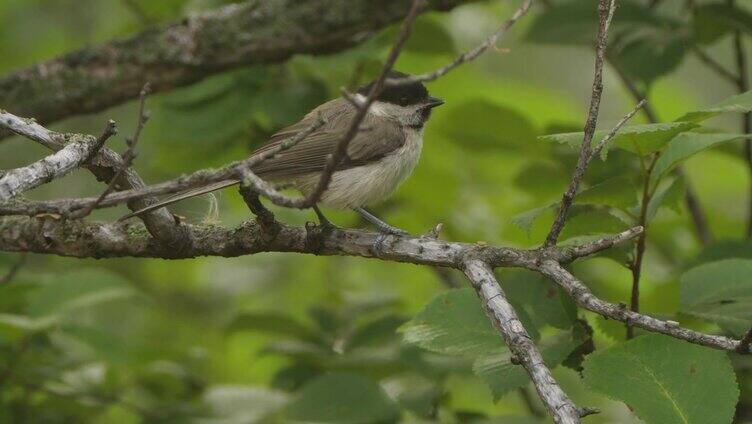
254,32
586,299
79,150
606,9
505,319
104,166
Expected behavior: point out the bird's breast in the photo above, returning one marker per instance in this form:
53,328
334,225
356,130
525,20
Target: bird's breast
374,182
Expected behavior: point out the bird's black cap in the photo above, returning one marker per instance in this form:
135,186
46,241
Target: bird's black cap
403,94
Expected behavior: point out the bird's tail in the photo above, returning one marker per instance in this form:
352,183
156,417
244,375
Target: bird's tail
182,196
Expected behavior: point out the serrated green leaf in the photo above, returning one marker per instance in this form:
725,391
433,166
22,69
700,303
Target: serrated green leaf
639,139
342,398
502,375
741,103
666,381
720,292
682,147
453,323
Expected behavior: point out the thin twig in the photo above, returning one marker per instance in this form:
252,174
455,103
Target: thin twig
104,165
601,144
606,9
582,295
128,156
639,250
469,55
699,221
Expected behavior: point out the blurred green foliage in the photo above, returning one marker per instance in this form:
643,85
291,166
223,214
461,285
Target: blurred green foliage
280,337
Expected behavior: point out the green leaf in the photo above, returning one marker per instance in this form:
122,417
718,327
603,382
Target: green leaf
670,193
590,220
682,147
415,393
640,139
617,192
525,220
342,398
453,323
488,126
649,54
741,103
503,376
720,292
269,322
666,381
714,20
724,249
235,404
545,303
13,327
576,22
376,332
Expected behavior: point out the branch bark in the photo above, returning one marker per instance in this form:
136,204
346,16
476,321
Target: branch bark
606,9
56,165
586,299
254,32
505,319
105,166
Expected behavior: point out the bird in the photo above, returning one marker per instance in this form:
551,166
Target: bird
379,158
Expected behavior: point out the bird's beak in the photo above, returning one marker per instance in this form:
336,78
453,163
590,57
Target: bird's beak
432,102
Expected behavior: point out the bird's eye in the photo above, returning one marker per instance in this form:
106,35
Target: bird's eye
403,100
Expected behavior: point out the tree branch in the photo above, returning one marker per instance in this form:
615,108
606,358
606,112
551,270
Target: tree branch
75,238
469,55
104,166
505,319
606,9
586,299
56,165
254,32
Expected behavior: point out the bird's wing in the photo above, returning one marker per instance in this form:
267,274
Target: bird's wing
378,137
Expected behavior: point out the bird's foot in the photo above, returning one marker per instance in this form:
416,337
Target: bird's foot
385,228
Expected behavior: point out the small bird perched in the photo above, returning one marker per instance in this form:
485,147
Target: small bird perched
380,157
